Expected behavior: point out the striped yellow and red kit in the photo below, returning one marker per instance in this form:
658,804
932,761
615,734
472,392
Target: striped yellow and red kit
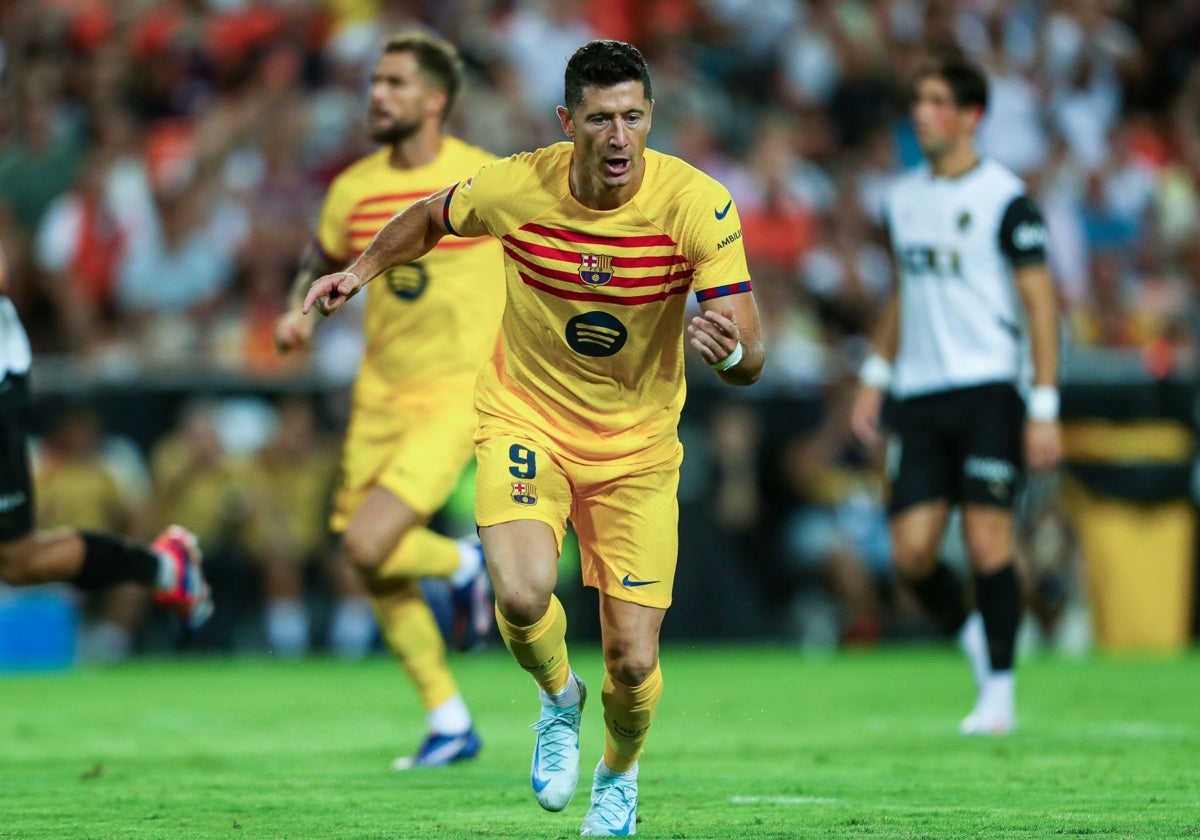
591,350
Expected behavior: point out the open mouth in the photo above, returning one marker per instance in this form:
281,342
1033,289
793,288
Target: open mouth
616,166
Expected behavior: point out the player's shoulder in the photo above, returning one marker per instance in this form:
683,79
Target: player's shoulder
526,174
683,182
1000,181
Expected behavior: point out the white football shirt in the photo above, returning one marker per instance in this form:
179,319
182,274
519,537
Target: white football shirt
957,242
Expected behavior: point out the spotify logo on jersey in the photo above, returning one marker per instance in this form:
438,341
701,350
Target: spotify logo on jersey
596,334
407,281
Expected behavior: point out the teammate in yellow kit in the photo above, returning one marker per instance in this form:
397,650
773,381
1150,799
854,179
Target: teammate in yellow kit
579,405
429,325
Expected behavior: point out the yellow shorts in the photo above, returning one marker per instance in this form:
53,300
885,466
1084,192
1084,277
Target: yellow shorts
417,452
626,516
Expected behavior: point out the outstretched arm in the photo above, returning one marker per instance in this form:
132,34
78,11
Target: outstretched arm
408,236
727,333
294,328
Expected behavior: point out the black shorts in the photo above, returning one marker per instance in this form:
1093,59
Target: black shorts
963,445
16,488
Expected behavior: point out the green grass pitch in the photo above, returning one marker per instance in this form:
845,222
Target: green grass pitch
749,742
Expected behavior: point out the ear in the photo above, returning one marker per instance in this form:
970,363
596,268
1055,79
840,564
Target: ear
435,102
564,117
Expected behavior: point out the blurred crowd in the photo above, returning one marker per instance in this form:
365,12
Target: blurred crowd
162,164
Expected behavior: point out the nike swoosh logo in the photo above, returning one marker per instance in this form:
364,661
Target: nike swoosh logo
539,785
721,214
627,582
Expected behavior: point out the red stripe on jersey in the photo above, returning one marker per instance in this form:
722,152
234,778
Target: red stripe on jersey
375,199
617,282
547,252
614,241
592,297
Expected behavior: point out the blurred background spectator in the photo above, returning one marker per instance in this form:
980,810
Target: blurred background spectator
161,160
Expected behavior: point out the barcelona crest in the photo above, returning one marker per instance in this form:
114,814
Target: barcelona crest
595,269
524,494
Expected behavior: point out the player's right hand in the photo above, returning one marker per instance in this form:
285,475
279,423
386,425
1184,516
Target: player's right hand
865,413
330,292
293,330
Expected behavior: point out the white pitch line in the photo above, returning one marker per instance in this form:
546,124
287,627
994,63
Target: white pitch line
782,800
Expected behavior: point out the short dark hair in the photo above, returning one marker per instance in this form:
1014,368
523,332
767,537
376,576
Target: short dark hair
438,60
604,64
965,79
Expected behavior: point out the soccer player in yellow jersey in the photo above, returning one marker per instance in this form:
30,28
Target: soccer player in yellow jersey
579,405
430,324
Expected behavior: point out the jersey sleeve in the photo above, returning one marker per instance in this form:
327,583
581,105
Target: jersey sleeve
1023,233
715,247
333,227
473,203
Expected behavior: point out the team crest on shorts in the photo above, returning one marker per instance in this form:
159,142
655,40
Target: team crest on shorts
524,494
595,269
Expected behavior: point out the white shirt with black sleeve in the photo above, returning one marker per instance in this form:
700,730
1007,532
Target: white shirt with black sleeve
957,242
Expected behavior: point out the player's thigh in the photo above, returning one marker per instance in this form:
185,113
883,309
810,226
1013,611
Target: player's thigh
922,466
418,459
519,479
993,423
628,528
522,559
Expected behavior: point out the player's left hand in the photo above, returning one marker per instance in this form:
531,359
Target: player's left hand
714,334
1043,444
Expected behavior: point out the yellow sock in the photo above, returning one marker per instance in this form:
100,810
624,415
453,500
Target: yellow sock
420,553
540,648
628,712
412,633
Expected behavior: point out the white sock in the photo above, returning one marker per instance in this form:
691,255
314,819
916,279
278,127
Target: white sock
450,718
1000,686
352,630
603,770
568,696
470,561
287,628
972,638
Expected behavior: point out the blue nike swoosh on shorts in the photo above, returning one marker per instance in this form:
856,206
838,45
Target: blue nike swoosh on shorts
627,582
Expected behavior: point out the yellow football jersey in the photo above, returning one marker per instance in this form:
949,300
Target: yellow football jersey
591,352
431,323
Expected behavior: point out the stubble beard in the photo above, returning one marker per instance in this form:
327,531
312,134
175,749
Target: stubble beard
394,132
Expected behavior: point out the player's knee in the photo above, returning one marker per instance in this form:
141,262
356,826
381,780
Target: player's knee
914,560
364,552
522,607
989,548
630,666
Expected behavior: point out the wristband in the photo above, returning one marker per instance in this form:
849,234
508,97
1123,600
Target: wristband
876,372
729,361
1043,404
